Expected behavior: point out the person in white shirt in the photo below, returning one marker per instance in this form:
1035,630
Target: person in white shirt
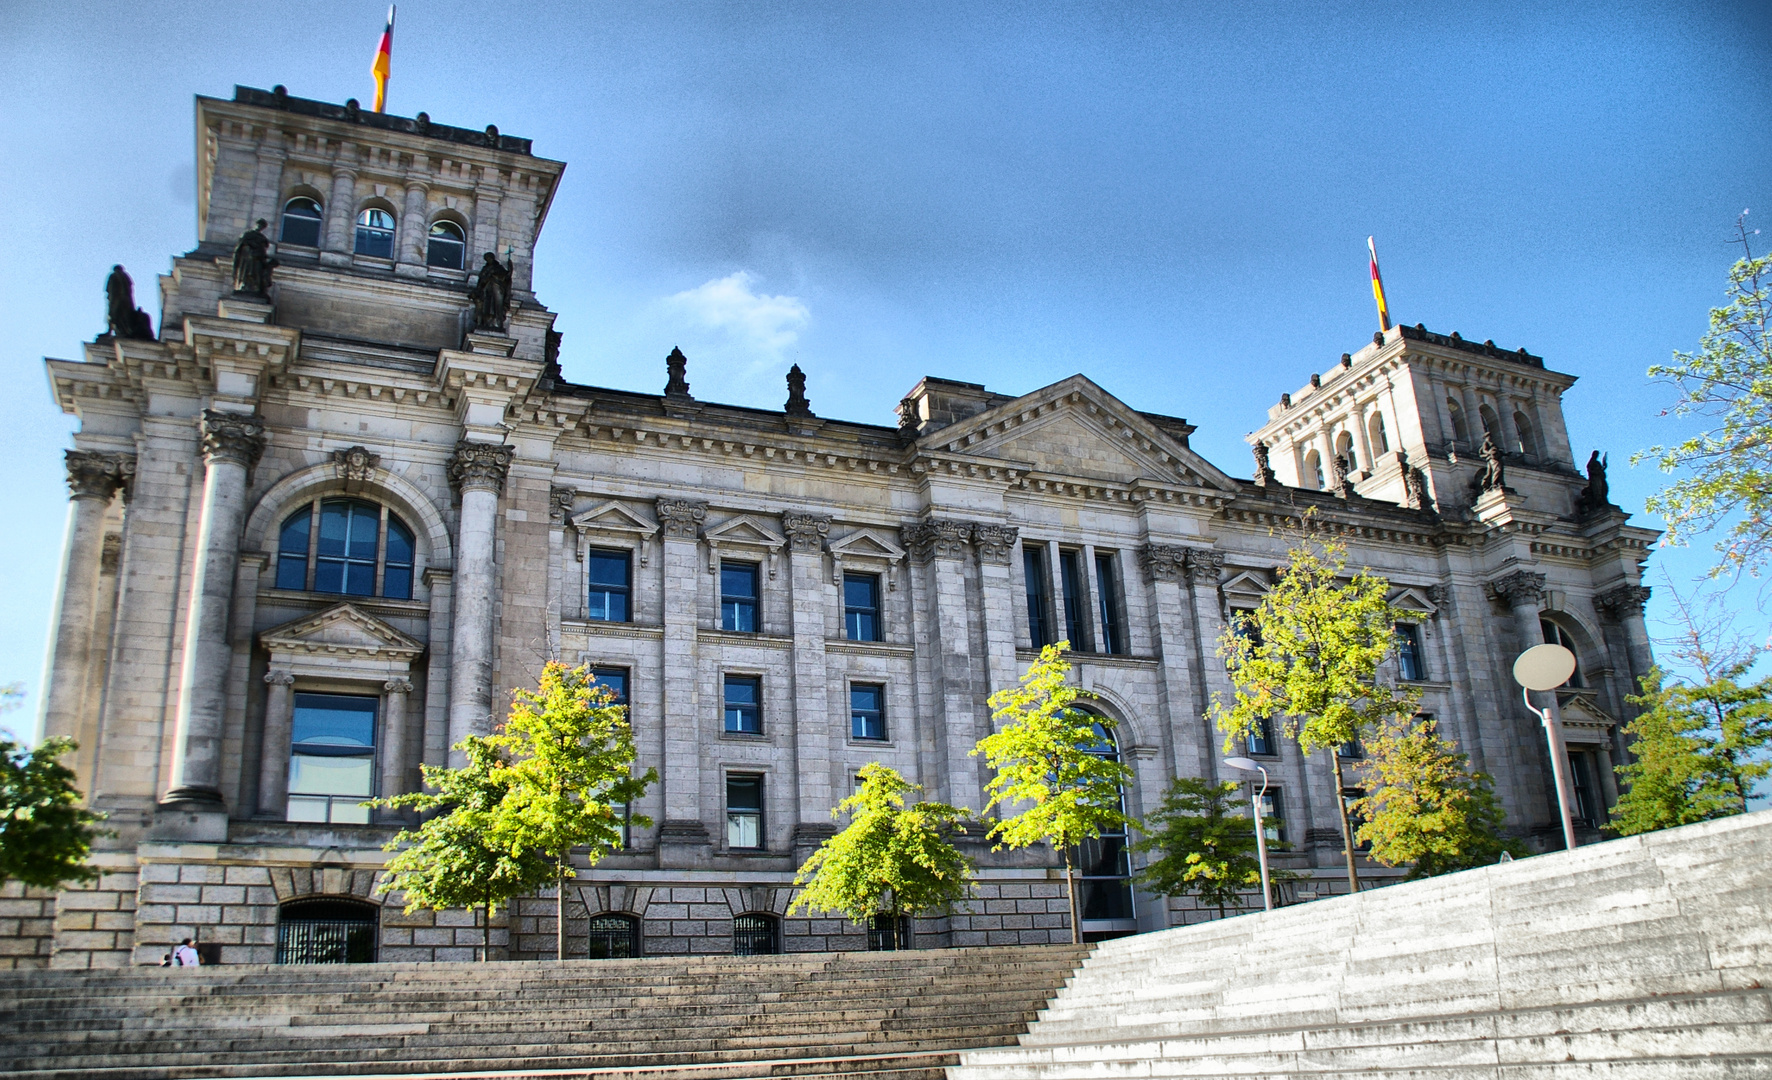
185,955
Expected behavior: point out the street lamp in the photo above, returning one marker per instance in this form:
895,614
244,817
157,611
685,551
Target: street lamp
1243,764
1546,667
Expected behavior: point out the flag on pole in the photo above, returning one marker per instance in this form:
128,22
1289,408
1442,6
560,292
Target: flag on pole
1384,312
384,58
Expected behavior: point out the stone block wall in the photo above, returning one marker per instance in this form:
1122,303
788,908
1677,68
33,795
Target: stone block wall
27,926
95,921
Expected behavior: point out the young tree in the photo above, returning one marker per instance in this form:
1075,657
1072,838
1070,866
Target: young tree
1424,807
1728,466
1699,749
452,860
1204,845
571,758
891,859
1311,653
45,834
1047,756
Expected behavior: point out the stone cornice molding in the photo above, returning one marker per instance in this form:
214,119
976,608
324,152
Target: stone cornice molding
1517,589
480,466
937,538
806,532
1163,562
681,518
233,437
1624,601
995,543
95,475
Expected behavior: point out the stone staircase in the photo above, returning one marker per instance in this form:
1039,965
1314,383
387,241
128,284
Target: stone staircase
1648,958
853,1016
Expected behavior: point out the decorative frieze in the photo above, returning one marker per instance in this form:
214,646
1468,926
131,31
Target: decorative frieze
355,465
1517,589
1624,601
937,538
1204,567
480,466
681,518
1163,562
995,543
806,532
93,475
233,437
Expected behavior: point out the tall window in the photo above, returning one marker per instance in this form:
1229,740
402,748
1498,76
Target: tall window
609,574
445,246
375,233
1409,654
1261,738
744,812
332,758
1581,778
867,711
613,937
1313,470
301,223
1344,449
1375,432
1460,429
1273,815
861,607
363,550
1556,635
1105,861
1107,594
756,935
1491,424
744,704
1523,428
617,680
1033,565
738,597
1070,577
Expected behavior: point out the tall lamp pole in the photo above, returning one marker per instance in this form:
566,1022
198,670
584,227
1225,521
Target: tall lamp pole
1546,667
1248,765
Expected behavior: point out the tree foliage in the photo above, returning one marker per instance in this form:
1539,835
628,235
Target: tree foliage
45,834
1424,807
1699,749
1203,845
1047,760
1727,467
890,859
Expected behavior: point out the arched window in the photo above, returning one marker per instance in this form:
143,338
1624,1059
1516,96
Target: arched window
1344,449
1313,470
1106,867
327,931
1556,635
1491,423
1460,430
1527,443
363,550
1375,432
446,246
613,937
375,233
301,223
756,935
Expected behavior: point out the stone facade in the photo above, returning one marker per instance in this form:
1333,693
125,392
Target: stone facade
357,492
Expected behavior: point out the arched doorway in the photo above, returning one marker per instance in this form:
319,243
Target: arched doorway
613,937
756,935
327,930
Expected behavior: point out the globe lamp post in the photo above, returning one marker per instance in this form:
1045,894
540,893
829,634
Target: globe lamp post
1546,667
1248,765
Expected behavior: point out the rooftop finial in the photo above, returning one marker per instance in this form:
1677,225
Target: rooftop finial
678,366
797,404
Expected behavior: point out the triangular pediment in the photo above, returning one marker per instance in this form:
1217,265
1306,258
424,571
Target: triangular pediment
744,529
1580,714
1250,586
1076,429
866,544
340,628
612,516
1412,599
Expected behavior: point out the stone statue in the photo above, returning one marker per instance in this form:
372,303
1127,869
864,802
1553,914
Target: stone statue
908,420
1494,475
676,367
492,293
1598,493
122,318
252,262
1339,465
797,404
1414,485
1264,473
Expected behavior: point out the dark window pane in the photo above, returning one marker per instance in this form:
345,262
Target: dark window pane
343,722
867,711
399,542
614,678
348,540
608,597
1273,815
375,234
1070,573
738,597
397,582
1033,564
445,247
1409,652
744,811
861,607
1107,584
329,576
292,550
301,223
1261,738
744,698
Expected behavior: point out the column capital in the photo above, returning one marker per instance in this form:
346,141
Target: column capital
1163,562
681,518
937,538
276,677
94,475
233,437
995,542
1517,589
1623,602
1204,567
806,532
480,466
560,502
398,686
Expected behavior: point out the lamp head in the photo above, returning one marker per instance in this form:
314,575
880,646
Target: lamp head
1242,764
1544,667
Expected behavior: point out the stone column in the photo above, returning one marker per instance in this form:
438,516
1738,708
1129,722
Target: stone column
1187,735
93,479
1523,592
478,475
815,722
393,750
410,254
231,446
680,522
273,763
996,551
1203,569
1625,604
340,219
940,546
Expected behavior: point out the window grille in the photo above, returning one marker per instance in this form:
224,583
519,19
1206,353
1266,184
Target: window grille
613,937
884,936
755,935
327,932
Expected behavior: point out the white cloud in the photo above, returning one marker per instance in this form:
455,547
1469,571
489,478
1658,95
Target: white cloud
753,326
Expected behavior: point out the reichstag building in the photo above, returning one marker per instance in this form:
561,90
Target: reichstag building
340,501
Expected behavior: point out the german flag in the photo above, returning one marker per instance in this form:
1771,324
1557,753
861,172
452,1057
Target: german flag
384,59
1384,312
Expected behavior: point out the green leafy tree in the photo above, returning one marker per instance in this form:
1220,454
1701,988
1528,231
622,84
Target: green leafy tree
890,859
1424,807
1204,844
1047,760
1699,749
45,834
1727,468
1310,653
570,758
452,860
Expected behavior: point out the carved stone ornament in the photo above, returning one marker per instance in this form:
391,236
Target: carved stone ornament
1518,589
995,543
1597,495
398,686
937,538
279,678
110,555
806,532
1163,562
356,464
233,437
480,466
1338,484
1494,474
681,518
1440,596
560,504
1624,601
676,374
908,420
797,405
93,475
1415,494
1264,473
1204,567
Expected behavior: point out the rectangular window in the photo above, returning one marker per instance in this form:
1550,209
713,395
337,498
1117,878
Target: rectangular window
610,585
616,678
1273,816
1581,778
744,704
1033,564
744,812
1409,655
332,758
867,711
1107,590
1351,750
1261,738
1354,821
1070,577
738,597
861,607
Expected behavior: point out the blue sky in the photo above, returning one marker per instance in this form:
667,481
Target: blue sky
1170,198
